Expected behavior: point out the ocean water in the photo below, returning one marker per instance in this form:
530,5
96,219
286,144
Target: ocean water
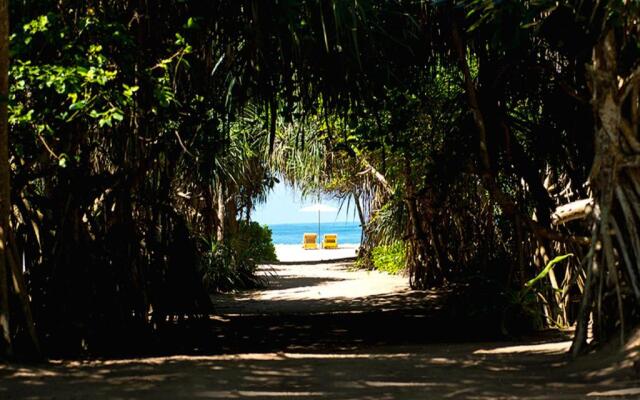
348,232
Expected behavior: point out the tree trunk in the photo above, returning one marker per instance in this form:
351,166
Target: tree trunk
231,225
5,190
615,181
20,290
209,217
221,211
361,217
506,204
376,174
424,272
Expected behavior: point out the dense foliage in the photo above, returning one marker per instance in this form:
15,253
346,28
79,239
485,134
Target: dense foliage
123,156
489,137
461,128
232,264
389,258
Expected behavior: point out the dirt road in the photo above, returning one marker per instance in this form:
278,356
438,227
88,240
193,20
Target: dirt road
326,331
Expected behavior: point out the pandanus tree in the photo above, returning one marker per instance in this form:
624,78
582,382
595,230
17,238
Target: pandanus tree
612,262
527,102
119,128
480,133
4,178
576,47
12,287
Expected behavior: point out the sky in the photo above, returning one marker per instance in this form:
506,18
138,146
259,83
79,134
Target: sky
283,207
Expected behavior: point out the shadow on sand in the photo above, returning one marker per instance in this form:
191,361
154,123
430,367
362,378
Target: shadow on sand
399,345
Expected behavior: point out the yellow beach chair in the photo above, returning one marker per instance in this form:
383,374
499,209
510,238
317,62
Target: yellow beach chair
309,241
330,241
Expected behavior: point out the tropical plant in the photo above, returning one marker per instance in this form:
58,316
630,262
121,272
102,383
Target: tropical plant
389,258
489,137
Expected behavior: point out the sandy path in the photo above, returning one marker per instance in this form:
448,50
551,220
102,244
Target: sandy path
323,331
322,288
291,253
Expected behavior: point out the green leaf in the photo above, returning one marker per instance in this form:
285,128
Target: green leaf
62,160
95,48
61,88
547,269
105,121
179,40
117,116
78,106
129,90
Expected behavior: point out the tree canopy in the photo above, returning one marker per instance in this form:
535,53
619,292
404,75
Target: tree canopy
484,138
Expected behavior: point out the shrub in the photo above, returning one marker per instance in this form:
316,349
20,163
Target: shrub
253,242
390,259
232,264
223,270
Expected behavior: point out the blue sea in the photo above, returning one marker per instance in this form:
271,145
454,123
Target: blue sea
348,232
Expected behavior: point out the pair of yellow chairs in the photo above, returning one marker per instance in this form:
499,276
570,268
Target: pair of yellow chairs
330,241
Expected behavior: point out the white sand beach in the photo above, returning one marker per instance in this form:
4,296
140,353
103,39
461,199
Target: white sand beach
295,253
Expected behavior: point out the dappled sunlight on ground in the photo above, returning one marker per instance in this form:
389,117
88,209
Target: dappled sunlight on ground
468,371
322,288
528,348
327,331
